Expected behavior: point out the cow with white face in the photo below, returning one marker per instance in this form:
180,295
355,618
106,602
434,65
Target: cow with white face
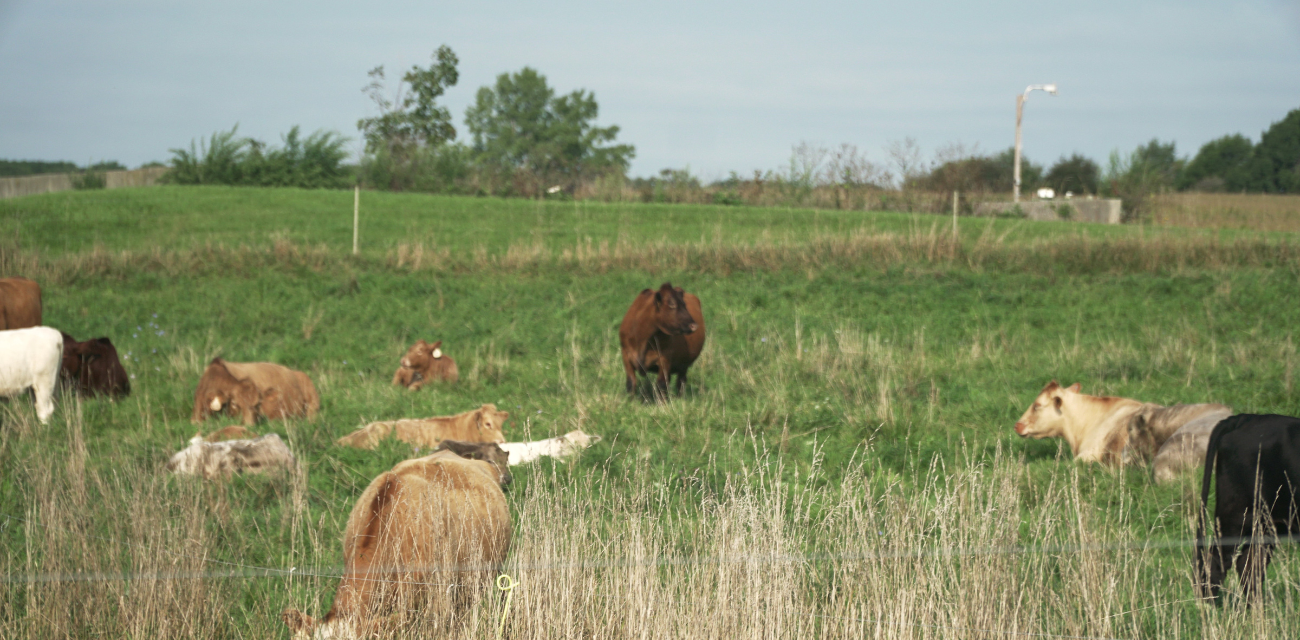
1096,427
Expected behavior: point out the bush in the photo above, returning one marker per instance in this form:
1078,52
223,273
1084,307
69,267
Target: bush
313,163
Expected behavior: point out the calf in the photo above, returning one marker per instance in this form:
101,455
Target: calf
1257,461
561,447
424,363
223,459
425,538
662,333
93,368
252,389
20,303
30,359
483,424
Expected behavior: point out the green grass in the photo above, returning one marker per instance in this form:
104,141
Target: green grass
897,363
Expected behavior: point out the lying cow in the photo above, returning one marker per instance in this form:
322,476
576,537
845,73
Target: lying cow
662,333
483,424
424,363
1174,436
30,359
1098,428
423,539
252,389
210,459
93,368
1257,461
20,303
561,447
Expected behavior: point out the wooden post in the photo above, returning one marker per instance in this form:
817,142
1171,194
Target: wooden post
954,216
356,217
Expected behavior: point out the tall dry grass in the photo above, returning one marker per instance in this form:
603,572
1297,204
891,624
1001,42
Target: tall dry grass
1259,212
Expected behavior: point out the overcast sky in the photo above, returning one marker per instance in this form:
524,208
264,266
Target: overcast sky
712,86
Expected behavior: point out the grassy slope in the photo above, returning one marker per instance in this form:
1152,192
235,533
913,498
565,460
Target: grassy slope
917,360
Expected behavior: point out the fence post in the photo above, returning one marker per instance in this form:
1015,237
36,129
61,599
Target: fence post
954,215
356,216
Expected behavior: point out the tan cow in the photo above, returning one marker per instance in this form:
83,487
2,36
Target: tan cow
20,303
483,424
423,540
1098,428
252,389
424,363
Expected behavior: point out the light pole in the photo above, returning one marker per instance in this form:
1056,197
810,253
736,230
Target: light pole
1020,112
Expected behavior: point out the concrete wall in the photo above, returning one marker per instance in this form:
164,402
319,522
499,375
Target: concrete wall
45,183
1103,211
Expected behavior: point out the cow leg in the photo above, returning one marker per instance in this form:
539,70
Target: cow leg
661,381
681,380
1251,564
44,392
631,375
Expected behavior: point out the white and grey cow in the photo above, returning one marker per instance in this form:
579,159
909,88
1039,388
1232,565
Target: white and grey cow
213,459
560,447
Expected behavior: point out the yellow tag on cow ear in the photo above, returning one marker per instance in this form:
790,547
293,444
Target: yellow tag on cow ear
437,353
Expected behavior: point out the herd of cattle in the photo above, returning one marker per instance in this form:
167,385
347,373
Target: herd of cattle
447,509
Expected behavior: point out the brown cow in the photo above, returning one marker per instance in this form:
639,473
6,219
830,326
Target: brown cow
424,363
20,303
93,368
252,389
663,333
425,537
483,424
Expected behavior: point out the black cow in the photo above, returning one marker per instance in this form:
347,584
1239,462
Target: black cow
1257,458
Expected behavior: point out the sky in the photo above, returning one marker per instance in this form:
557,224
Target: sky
713,87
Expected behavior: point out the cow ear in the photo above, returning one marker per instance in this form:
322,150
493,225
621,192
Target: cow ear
659,298
437,344
104,341
679,291
1074,387
1057,403
478,419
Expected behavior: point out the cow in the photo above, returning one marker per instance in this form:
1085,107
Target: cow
1256,459
424,363
93,368
483,424
663,333
252,389
30,359
427,537
1174,436
490,452
1105,429
211,459
20,303
561,447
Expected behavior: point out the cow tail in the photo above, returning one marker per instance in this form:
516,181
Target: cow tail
1211,458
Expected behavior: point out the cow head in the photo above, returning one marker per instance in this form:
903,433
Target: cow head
1045,418
189,459
490,423
94,366
421,354
488,452
671,316
219,390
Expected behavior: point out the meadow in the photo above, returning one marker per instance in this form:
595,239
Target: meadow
842,463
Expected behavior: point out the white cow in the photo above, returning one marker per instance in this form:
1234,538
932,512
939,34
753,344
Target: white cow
563,446
213,459
30,359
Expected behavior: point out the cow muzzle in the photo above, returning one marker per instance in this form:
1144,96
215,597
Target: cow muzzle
1021,428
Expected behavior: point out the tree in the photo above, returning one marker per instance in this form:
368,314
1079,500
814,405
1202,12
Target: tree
1220,165
1077,174
522,132
1149,169
412,120
1275,165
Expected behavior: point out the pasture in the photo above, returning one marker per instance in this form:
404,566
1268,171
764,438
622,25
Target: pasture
842,463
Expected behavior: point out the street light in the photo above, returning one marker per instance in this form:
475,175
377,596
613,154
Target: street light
1020,111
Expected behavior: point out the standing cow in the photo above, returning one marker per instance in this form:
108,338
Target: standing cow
20,303
663,333
1257,460
93,368
423,539
30,359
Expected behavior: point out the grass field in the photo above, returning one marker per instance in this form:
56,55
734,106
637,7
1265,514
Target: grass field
842,465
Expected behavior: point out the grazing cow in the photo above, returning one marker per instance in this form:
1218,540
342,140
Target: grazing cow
30,359
1105,429
425,537
1175,436
663,333
423,363
93,368
1257,460
483,424
20,303
209,459
561,447
250,389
